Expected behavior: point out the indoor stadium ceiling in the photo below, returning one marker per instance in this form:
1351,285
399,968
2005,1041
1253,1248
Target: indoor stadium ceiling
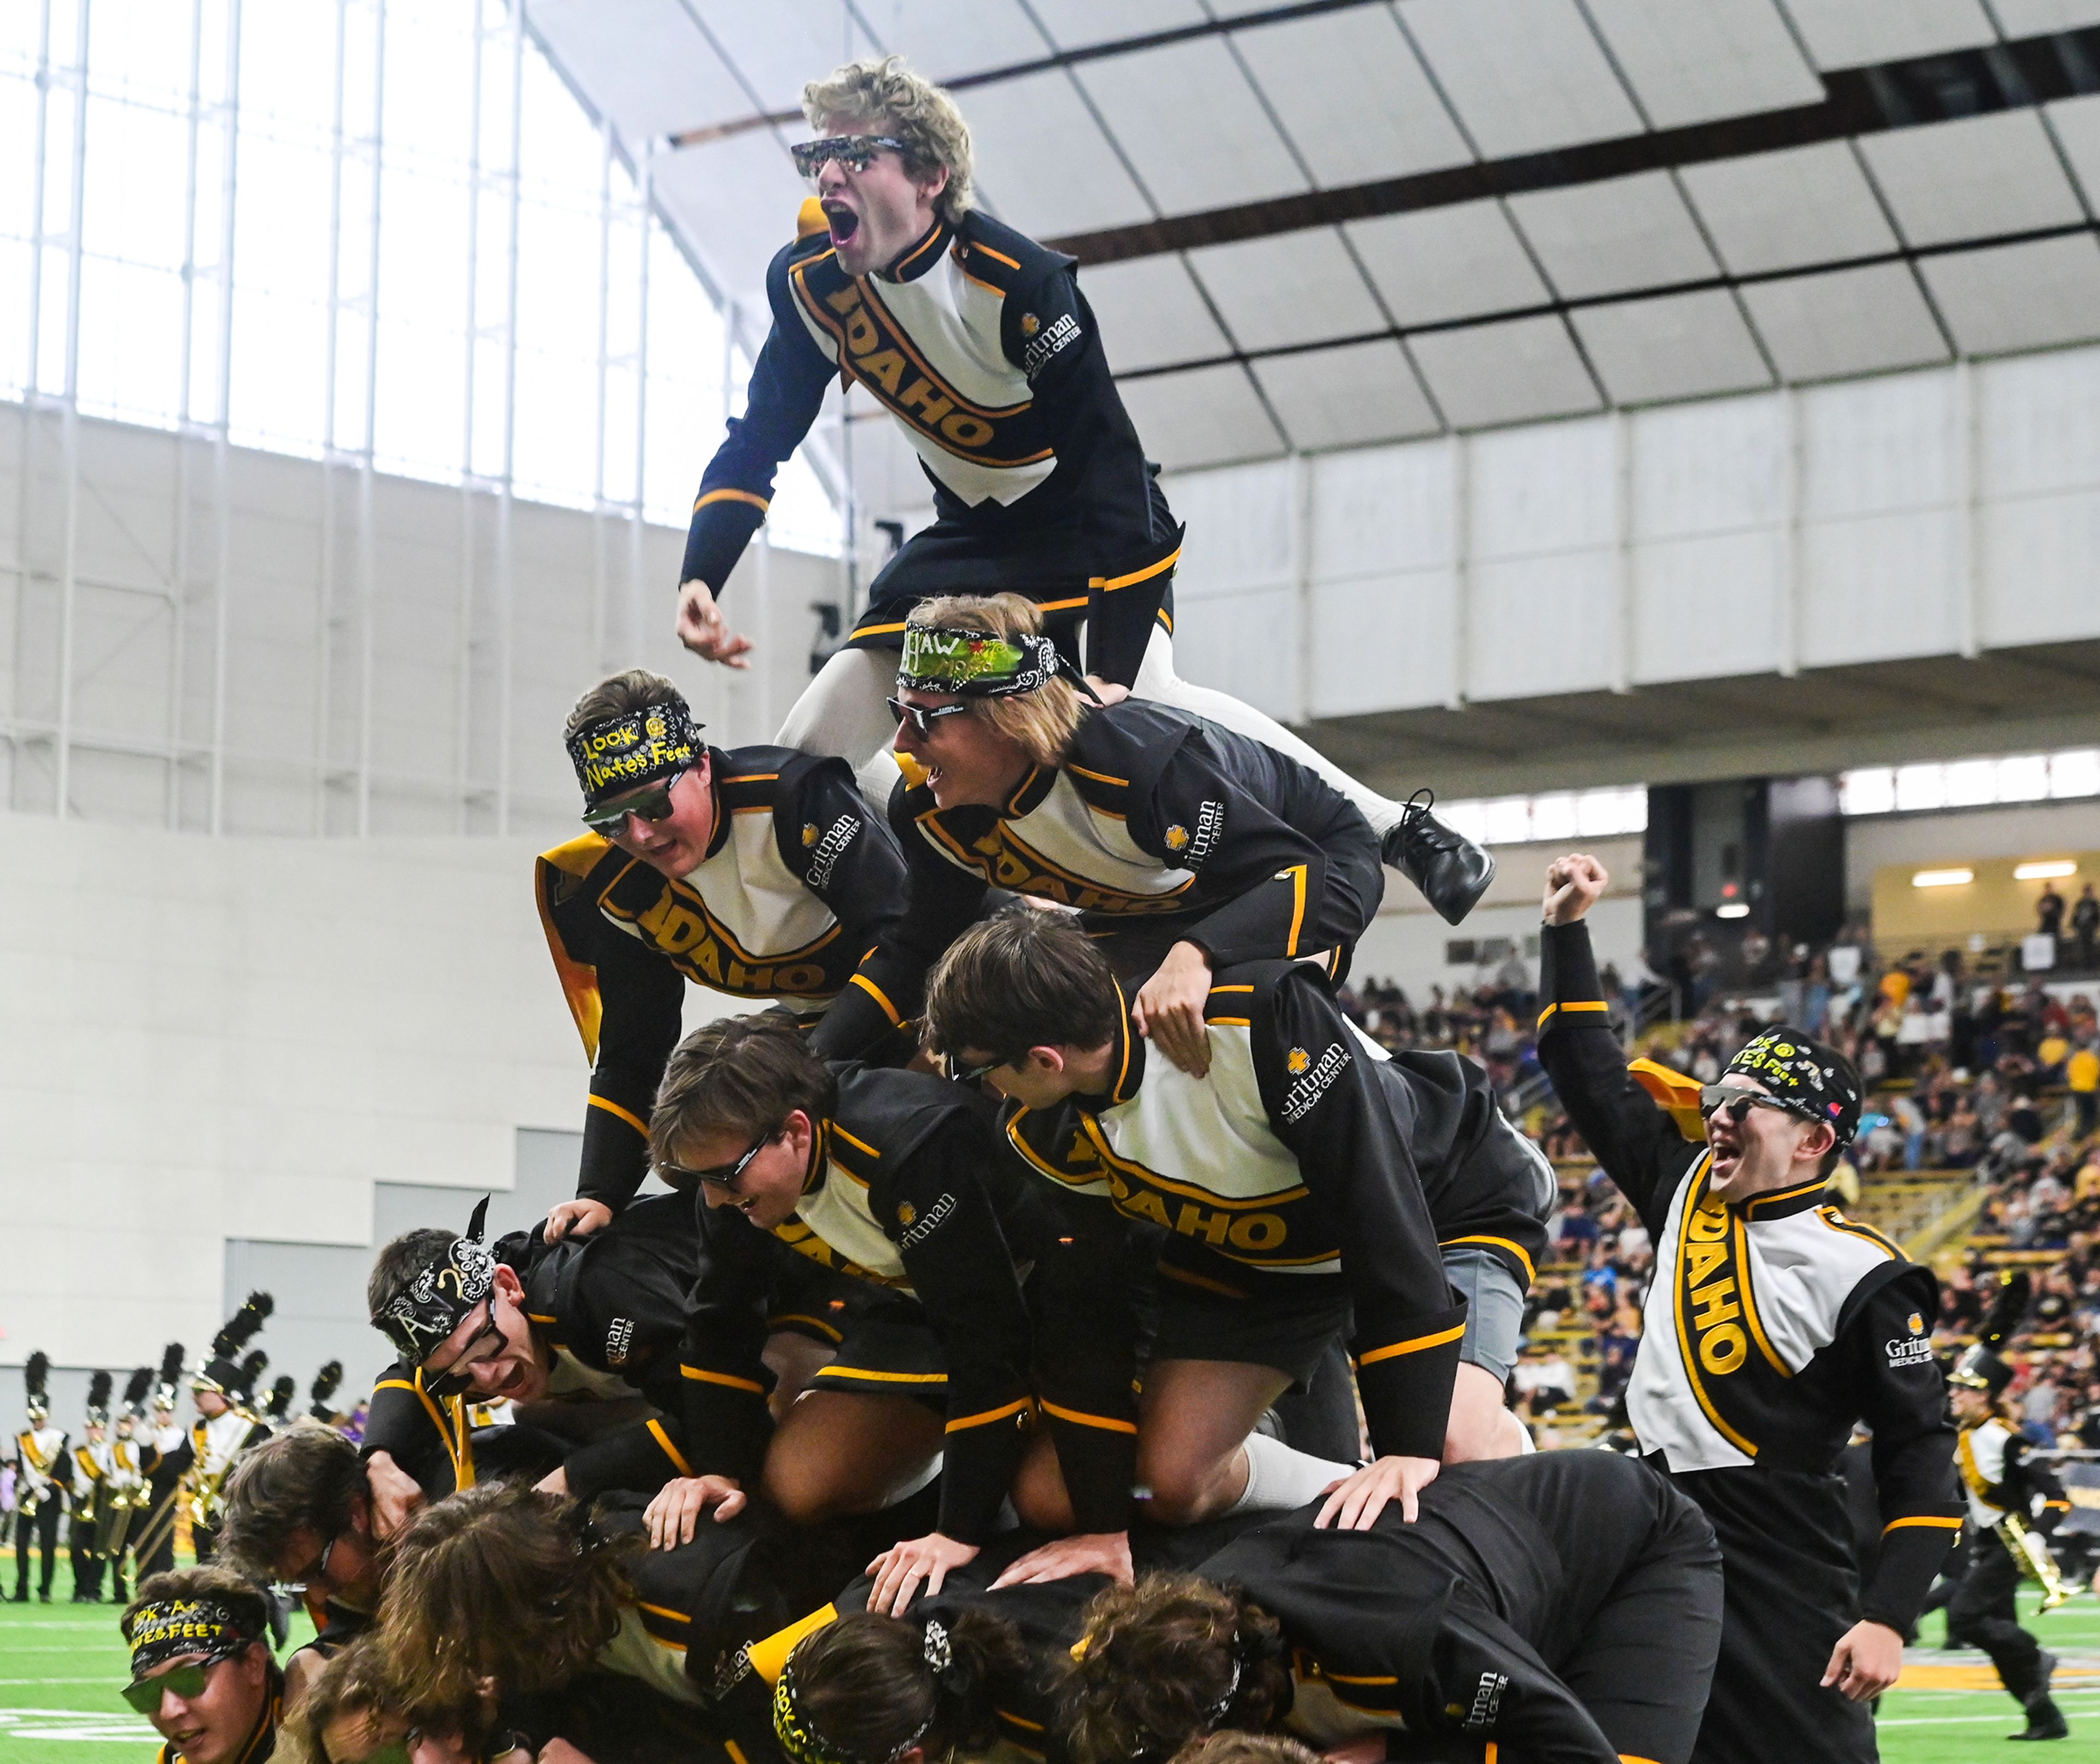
1339,222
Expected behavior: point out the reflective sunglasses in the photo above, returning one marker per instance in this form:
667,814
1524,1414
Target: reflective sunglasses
855,153
456,1380
722,1176
317,1571
654,804
1736,1102
922,717
976,1074
187,1682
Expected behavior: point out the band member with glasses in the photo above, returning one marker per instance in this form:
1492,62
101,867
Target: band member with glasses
979,343
1183,848
201,1670
754,871
1773,1324
1307,1188
591,1320
901,1182
298,1513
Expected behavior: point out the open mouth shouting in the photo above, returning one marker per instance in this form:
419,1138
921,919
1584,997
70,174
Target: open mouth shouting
839,215
1727,1140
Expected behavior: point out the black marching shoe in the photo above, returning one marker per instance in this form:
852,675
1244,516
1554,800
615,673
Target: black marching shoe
1451,871
2044,1719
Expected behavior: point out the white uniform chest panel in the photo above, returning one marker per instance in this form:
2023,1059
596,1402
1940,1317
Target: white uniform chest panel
838,1212
1980,1452
44,1449
1801,1271
1209,1135
222,1435
1093,846
756,899
954,323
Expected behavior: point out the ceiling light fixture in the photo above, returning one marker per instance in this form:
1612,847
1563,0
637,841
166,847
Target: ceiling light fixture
2045,872
1732,910
1941,879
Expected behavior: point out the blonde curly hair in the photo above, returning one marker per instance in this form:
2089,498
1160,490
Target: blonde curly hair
886,95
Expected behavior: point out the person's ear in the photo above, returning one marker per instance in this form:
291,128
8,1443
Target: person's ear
508,1283
360,1517
931,186
1048,1061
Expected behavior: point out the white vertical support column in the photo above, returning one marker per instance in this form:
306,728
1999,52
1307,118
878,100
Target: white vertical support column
179,572
637,514
469,546
221,495
69,420
1622,551
1793,559
331,367
26,500
600,567
368,516
504,557
1301,580
1462,572
1968,471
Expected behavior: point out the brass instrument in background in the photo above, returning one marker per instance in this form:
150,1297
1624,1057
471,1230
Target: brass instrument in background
2030,1549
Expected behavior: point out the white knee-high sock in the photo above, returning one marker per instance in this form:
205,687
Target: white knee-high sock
1280,1477
1157,680
841,711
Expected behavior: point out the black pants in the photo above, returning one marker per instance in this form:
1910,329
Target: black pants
204,1539
152,1535
29,1529
1981,1614
86,1559
1790,1592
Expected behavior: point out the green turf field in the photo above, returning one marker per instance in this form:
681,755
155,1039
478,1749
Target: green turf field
61,1665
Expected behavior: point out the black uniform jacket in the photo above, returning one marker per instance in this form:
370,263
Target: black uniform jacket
1159,827
1460,1623
980,345
912,1193
1773,1325
1295,1156
793,902
613,1302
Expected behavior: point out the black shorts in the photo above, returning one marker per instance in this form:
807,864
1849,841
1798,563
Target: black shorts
1051,564
892,1351
808,1299
1210,1308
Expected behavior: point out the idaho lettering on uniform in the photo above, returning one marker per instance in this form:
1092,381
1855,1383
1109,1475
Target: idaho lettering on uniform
689,941
1255,1233
1721,1345
884,371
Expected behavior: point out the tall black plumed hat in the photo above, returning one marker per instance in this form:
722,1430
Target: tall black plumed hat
169,1386
281,1394
249,1369
326,1382
98,1388
1981,1366
136,1388
36,1384
221,1373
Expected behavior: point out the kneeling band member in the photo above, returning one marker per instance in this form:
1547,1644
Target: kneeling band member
754,871
1183,848
980,343
903,1183
1302,1187
601,1318
201,1666
2014,1502
1773,1324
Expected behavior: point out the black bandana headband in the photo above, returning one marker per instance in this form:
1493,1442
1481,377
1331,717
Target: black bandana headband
1809,1078
976,664
802,1741
439,1298
623,752
169,1628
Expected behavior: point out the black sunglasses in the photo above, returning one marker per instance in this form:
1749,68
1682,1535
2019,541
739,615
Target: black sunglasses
654,804
1734,1102
856,152
456,1380
923,716
187,1682
721,1175
976,1074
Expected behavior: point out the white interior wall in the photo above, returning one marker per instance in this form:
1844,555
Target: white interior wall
1930,513
2030,829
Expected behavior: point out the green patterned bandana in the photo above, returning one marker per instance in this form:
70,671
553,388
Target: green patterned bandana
976,664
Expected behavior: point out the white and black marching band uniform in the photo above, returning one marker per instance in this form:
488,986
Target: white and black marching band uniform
793,903
1308,1186
2001,1477
1771,1326
979,343
983,1296
1157,827
41,1483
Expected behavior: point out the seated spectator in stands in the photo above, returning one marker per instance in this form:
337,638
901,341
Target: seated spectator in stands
2049,913
1544,1380
2081,1072
2085,928
2038,1406
1961,1305
1615,1367
1578,1230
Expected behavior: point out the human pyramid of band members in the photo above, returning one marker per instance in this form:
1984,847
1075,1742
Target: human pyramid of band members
1066,1331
